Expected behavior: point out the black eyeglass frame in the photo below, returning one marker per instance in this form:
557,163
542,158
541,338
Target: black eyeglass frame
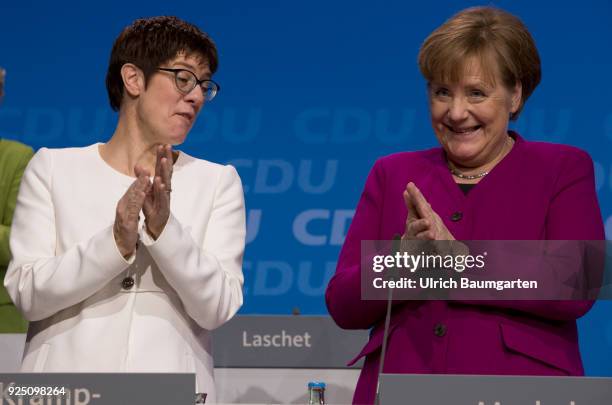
198,82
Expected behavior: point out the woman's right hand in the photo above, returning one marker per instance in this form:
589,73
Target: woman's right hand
422,222
127,215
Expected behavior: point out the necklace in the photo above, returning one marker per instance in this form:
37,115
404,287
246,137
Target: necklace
477,175
467,176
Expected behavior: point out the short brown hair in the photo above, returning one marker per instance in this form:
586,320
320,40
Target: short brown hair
498,39
149,42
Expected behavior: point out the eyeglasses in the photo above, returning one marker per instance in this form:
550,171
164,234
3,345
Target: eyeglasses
186,81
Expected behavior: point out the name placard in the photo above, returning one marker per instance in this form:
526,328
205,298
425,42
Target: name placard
97,389
493,390
285,342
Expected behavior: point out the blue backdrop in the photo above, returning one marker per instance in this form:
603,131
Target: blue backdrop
312,93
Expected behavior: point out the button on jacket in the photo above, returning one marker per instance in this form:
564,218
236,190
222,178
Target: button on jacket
69,279
539,191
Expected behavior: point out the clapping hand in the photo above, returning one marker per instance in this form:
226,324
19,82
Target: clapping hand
125,228
152,199
156,206
422,222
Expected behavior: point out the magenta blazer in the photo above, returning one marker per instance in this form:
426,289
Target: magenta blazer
538,191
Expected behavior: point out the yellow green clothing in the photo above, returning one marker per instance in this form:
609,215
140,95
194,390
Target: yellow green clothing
14,158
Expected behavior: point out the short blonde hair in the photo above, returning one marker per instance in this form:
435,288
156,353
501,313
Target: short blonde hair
497,39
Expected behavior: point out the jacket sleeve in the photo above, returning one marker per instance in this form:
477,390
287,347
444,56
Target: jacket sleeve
207,278
343,293
573,215
21,155
39,282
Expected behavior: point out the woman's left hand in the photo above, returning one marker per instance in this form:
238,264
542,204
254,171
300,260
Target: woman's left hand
156,207
423,222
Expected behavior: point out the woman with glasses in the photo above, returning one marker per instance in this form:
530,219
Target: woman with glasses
127,253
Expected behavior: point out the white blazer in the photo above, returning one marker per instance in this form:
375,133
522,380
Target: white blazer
67,274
